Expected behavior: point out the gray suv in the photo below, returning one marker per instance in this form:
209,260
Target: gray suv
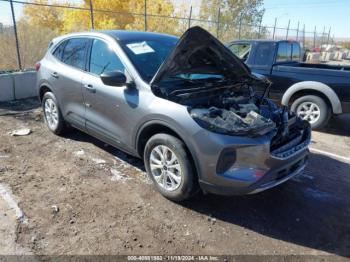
186,106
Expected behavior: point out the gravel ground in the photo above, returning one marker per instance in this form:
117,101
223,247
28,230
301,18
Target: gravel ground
76,195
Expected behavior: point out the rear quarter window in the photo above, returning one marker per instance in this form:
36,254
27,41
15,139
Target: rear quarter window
296,52
241,50
284,52
59,50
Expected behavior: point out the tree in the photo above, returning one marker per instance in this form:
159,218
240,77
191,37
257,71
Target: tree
44,16
34,41
154,23
232,13
77,20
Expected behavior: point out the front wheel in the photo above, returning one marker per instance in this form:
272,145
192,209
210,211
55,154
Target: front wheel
168,165
313,109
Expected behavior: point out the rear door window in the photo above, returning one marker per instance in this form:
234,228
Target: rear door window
74,52
104,59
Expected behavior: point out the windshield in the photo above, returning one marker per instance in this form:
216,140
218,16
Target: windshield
193,77
148,55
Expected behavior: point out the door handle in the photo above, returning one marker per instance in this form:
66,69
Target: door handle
90,88
54,74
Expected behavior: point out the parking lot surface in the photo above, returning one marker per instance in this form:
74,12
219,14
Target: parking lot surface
76,195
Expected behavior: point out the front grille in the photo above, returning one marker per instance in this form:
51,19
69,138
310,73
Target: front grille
298,139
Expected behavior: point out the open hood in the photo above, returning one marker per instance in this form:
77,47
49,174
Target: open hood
198,52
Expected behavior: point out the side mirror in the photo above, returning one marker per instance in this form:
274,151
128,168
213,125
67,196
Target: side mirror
114,78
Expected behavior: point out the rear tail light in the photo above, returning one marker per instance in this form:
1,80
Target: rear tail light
37,66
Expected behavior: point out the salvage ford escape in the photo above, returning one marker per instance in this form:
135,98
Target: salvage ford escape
187,106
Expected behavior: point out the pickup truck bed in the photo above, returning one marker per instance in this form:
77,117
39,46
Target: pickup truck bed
314,91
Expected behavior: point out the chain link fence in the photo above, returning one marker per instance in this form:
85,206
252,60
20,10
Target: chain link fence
22,44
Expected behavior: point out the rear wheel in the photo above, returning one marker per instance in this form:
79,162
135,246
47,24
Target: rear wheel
52,114
167,163
313,109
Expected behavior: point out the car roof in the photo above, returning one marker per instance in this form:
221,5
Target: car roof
118,35
121,35
260,40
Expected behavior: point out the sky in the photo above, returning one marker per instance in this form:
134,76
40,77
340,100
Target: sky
319,13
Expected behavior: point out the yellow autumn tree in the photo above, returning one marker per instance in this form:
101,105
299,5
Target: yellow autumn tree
116,14
156,20
44,16
107,15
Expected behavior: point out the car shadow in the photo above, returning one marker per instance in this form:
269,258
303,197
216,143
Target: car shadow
83,137
311,210
338,125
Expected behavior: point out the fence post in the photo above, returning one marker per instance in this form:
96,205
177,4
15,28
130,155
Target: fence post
297,32
145,14
16,36
274,29
288,29
218,24
189,18
329,34
92,15
322,39
260,27
240,26
315,37
304,36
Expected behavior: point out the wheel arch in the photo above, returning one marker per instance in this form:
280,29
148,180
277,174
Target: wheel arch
151,128
42,90
316,88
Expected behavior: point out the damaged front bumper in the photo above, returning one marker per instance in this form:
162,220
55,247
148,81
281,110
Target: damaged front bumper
248,165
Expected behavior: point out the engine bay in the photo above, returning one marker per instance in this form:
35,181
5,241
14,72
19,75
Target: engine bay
237,111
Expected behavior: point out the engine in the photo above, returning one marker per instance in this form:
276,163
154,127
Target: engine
241,113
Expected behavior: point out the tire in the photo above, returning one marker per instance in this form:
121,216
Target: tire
308,106
171,188
49,102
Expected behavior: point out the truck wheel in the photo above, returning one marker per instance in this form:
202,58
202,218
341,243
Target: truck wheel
313,109
168,166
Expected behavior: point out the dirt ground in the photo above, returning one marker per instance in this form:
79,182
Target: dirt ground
76,195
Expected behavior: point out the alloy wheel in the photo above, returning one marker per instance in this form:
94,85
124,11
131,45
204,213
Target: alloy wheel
51,113
165,167
309,111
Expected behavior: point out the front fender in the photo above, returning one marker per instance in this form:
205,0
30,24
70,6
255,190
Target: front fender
317,86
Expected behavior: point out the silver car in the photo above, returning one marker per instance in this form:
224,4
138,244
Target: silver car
186,106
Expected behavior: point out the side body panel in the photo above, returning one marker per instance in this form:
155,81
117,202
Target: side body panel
65,82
